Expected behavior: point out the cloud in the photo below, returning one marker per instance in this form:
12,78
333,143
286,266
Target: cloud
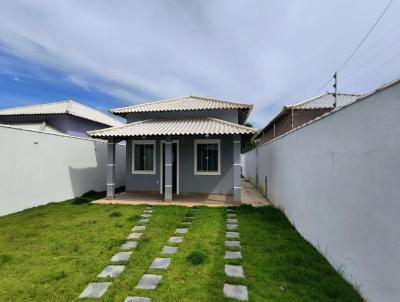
268,53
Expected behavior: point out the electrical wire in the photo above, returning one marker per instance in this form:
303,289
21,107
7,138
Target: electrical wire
366,36
361,42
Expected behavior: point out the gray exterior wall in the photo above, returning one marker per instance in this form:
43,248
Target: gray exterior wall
188,181
226,115
337,179
65,123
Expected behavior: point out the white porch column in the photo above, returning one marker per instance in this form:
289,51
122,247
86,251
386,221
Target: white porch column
236,168
110,168
168,170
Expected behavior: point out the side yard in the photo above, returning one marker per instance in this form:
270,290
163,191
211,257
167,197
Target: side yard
52,252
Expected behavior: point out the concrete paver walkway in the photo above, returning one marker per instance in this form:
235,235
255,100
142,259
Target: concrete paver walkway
97,289
237,292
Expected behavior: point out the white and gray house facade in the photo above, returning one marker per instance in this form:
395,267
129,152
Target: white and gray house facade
182,146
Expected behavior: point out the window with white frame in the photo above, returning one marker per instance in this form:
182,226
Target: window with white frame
143,157
207,157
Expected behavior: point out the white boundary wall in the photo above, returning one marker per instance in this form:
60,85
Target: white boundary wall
38,168
338,181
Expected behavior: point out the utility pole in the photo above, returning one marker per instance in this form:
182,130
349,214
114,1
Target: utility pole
335,85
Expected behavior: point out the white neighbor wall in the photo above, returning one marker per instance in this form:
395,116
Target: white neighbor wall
38,168
338,181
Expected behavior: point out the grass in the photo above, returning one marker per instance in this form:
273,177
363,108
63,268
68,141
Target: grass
50,253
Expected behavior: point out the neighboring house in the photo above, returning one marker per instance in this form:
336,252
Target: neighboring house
66,117
184,145
295,115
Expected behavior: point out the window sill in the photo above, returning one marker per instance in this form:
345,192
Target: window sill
207,173
144,172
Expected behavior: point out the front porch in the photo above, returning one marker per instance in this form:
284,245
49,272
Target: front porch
249,195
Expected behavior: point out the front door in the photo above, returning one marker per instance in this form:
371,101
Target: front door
174,167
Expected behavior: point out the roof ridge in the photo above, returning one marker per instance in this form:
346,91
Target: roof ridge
151,102
35,105
218,100
182,97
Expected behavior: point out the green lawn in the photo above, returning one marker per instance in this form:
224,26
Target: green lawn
51,253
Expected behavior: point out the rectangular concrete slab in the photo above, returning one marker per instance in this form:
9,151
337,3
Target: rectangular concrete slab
121,256
169,250
145,215
231,215
138,228
187,223
148,281
129,245
135,235
232,235
137,299
181,230
234,271
238,292
144,220
95,290
175,240
232,220
148,211
111,271
232,227
230,210
232,243
233,255
161,263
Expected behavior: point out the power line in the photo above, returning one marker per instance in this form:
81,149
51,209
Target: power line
361,42
368,33
372,73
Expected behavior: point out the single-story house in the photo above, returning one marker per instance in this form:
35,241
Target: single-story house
186,145
63,117
293,116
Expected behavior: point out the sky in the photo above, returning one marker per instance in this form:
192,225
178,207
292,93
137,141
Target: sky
109,54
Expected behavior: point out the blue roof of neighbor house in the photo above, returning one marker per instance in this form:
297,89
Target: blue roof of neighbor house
64,107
